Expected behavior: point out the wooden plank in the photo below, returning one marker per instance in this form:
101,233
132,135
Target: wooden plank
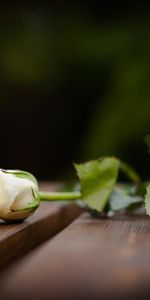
17,239
49,219
90,259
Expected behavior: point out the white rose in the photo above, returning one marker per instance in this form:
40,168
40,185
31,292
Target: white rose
18,195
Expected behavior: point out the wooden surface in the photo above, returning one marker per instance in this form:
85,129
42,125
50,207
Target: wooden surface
17,239
90,259
48,220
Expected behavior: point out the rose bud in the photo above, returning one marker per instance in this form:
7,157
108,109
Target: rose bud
19,196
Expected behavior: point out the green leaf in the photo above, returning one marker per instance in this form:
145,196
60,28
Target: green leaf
129,172
147,200
120,200
147,141
97,179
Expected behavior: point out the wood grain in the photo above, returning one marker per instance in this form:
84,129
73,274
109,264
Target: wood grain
17,239
49,219
90,259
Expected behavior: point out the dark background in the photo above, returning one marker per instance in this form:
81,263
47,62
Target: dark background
75,85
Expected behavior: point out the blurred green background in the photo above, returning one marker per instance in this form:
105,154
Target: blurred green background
75,85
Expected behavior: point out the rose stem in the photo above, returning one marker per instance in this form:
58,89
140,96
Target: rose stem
52,196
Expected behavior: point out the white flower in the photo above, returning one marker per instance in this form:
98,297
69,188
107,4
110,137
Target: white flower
18,194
